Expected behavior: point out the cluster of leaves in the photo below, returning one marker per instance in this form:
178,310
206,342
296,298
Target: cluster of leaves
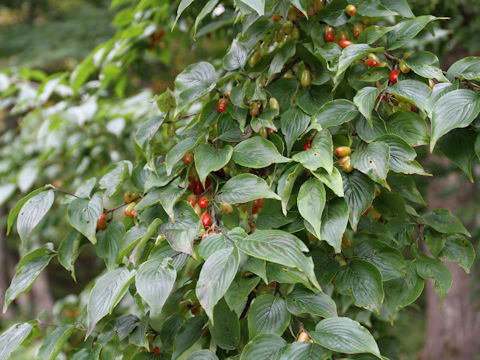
296,243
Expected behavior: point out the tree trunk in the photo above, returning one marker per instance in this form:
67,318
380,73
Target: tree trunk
4,270
452,328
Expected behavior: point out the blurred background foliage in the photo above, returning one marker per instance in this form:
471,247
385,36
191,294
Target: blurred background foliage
54,36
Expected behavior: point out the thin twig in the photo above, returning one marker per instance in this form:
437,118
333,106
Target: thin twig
66,192
225,234
287,67
250,298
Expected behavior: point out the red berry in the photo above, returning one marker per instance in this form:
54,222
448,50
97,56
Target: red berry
371,63
207,183
192,199
344,43
222,105
329,34
228,94
308,145
351,10
203,202
259,202
133,213
206,220
255,209
394,76
188,158
276,17
198,188
102,222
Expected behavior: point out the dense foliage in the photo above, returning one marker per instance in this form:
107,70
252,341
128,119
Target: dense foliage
264,208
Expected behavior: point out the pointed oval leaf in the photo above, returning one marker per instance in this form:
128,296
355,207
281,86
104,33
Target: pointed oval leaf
257,152
334,222
344,335
359,192
406,31
208,159
319,155
373,162
244,188
268,315
409,126
32,212
263,346
467,68
335,112
83,215
294,122
215,278
12,338
194,82
53,344
302,301
236,57
106,293
311,200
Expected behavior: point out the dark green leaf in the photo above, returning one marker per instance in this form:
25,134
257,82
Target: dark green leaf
244,188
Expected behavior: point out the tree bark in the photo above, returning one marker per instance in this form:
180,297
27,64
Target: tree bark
452,328
4,270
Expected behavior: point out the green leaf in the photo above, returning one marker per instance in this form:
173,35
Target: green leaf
106,293
263,346
244,188
28,270
215,278
386,258
305,351
108,240
334,222
334,113
359,192
54,343
344,335
460,250
115,176
14,212
178,152
202,355
181,233
365,100
425,64
409,126
407,30
310,201
154,282
301,5
455,109
257,152
372,33
333,181
404,290
12,338
238,292
279,247
286,275
302,301
368,133
373,162
319,155
168,197
373,8
165,102
444,222
83,215
412,91
405,186
257,5
399,6
312,98
236,56
431,268
363,281
458,145
181,8
148,129
351,54
188,335
32,212
206,10
281,57
68,251
467,68
268,315
402,156
294,122
435,241
194,82
286,182
213,243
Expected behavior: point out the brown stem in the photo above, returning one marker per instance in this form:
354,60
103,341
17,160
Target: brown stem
66,192
287,67
250,298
